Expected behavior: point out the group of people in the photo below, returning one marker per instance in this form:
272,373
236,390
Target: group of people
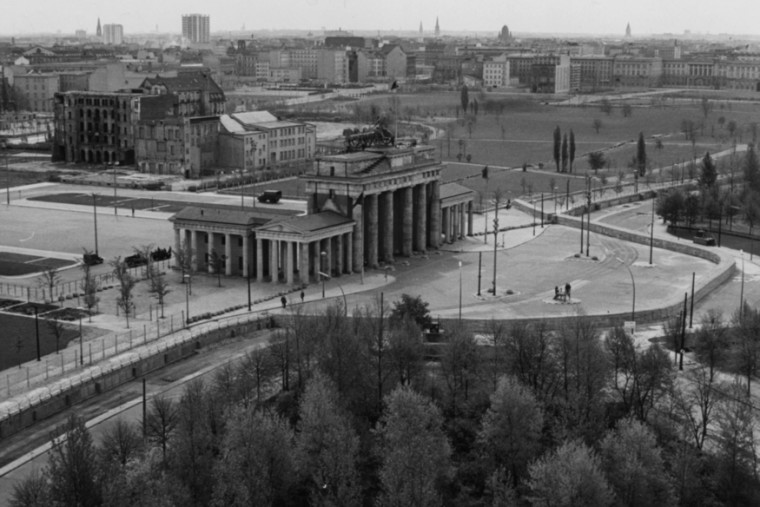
560,294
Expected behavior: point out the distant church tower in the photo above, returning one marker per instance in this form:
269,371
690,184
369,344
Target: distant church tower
628,31
437,28
98,30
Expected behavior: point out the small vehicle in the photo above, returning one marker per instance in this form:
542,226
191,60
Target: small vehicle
92,259
270,196
135,260
702,238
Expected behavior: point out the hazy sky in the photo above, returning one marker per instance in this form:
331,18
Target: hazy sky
563,16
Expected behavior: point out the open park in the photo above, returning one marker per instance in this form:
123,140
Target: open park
622,264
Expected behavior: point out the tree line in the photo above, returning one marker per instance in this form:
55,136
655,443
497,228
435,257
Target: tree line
364,411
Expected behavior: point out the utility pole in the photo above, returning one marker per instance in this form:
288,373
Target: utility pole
588,228
7,177
542,210
651,233
497,197
95,218
37,332
691,313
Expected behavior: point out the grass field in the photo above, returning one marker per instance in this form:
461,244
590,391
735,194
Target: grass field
13,264
19,343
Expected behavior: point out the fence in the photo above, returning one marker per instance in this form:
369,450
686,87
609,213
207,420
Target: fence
72,289
123,364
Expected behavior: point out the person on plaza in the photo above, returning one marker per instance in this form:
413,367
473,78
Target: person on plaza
302,296
556,292
284,301
567,291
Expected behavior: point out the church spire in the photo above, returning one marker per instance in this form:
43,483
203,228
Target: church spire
628,31
98,30
437,28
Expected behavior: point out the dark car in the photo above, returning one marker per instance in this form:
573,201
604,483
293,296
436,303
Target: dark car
270,196
92,259
702,238
135,260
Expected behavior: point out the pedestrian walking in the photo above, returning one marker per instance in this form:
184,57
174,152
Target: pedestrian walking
567,291
284,301
302,296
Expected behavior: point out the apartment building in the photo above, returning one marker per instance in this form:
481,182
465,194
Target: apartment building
196,28
496,72
35,91
257,140
113,34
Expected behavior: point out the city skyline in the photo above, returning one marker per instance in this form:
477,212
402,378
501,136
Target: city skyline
592,17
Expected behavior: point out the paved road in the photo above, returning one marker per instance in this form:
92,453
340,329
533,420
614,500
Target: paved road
121,403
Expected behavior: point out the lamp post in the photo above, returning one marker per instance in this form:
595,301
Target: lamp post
325,276
651,231
588,224
633,285
249,290
741,292
7,176
460,291
322,257
81,346
187,299
37,332
95,219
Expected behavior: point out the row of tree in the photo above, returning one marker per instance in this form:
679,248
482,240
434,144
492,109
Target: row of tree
711,200
564,150
363,416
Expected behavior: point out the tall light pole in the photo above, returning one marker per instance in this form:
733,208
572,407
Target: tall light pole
187,299
114,188
588,224
95,219
651,231
741,292
249,290
633,285
495,244
7,176
322,257
324,277
460,291
37,332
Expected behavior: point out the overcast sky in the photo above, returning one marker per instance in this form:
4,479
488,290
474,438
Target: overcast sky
536,16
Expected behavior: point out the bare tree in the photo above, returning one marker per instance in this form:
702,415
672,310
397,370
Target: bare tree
89,286
161,422
184,257
218,262
58,330
159,285
126,284
49,280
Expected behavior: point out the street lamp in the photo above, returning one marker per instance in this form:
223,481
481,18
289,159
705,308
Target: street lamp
37,332
249,290
460,291
633,284
345,301
322,257
95,218
651,231
7,176
186,277
741,293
